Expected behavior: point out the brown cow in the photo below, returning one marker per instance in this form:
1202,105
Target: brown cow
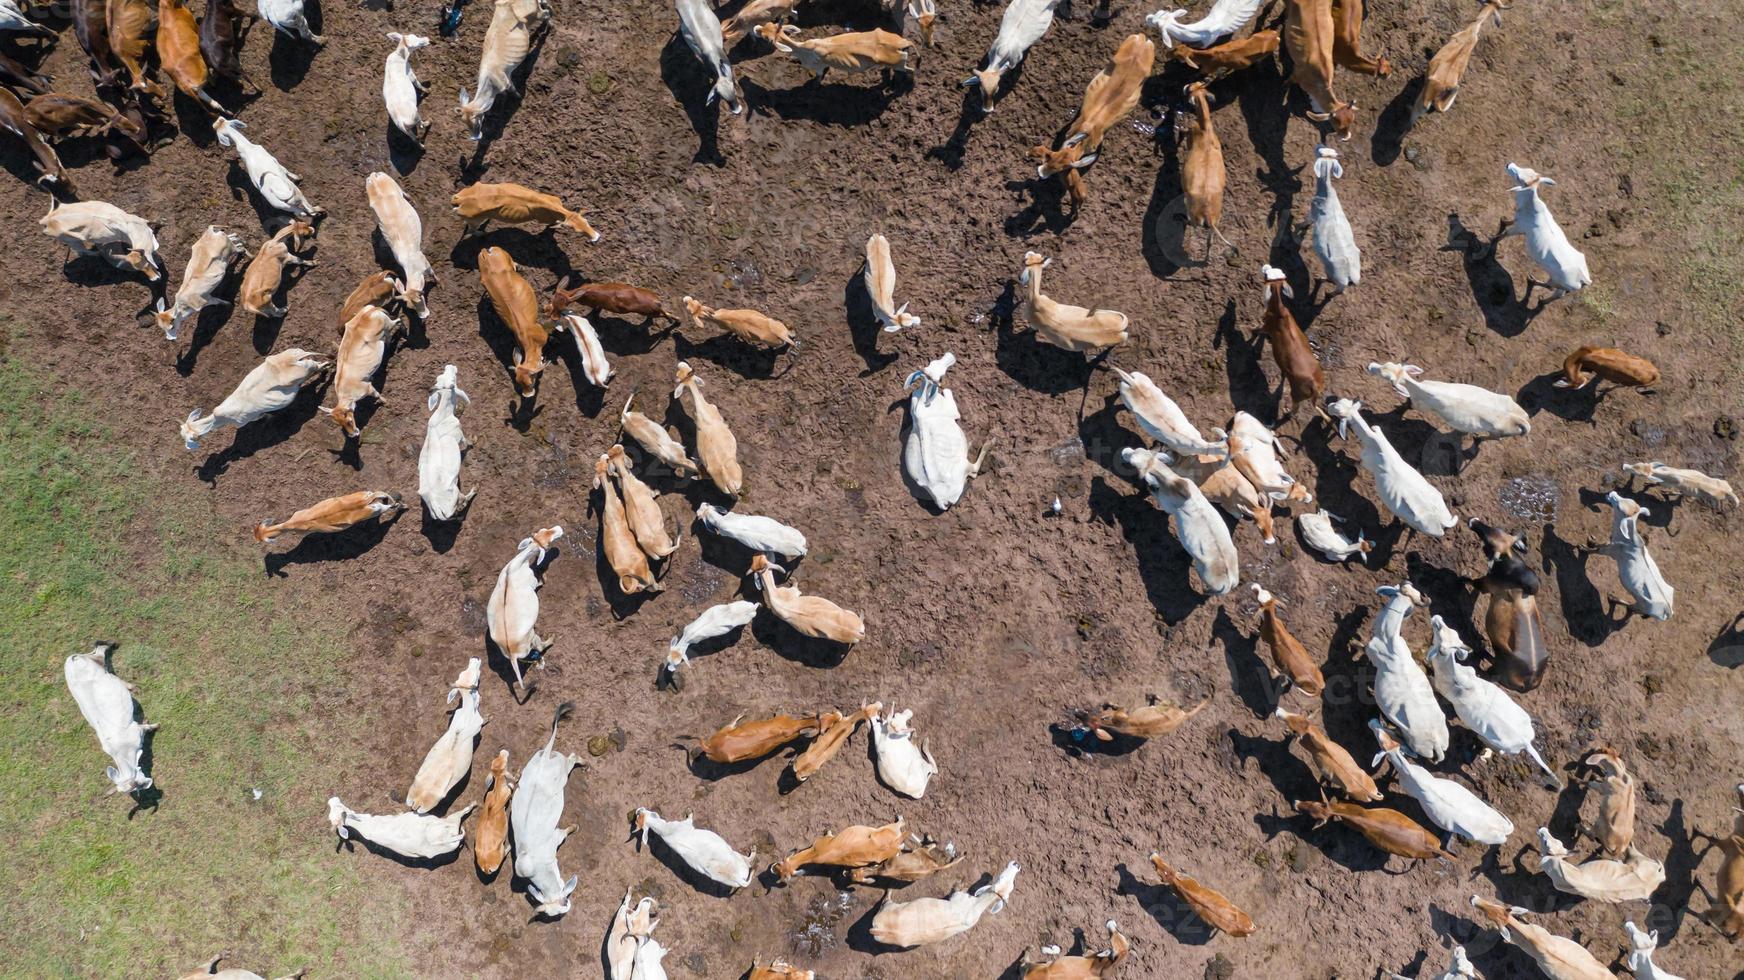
619,298
1309,36
260,282
1202,173
512,296
127,22
1229,56
1347,22
1296,360
513,204
333,514
490,837
15,120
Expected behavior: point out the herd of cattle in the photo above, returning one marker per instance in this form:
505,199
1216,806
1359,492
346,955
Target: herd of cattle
1190,474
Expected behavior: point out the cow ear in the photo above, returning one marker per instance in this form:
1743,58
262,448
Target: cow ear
1103,736
431,407
113,774
517,357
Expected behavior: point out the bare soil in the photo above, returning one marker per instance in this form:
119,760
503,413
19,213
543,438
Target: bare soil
990,619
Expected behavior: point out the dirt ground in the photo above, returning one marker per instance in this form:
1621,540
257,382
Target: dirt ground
990,619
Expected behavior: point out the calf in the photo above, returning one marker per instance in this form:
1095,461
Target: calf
1652,596
1403,490
656,440
1613,825
1347,23
926,921
925,14
333,514
1067,327
1588,364
1710,490
209,262
1295,358
1288,653
490,843
512,612
439,459
1309,34
701,29
1023,24
1512,624
1110,97
512,204
1154,720
381,289
921,858
1557,956
1230,56
403,231
450,759
810,615
834,731
517,305
1726,903
716,449
1319,534
879,276
621,299
508,39
276,185
1402,691
1447,67
124,240
178,52
106,701
849,53
1225,18
534,815
1546,244
272,385
362,349
750,326
1202,172
266,271
401,88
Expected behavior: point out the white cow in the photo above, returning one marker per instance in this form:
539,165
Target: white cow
439,460
450,759
702,31
1486,709
630,926
209,263
1334,242
534,813
594,365
936,452
1402,691
287,16
702,850
403,230
1636,568
714,621
1162,419
125,241
932,920
1463,408
106,701
1225,18
507,42
1640,957
904,766
1024,23
1402,489
276,185
401,88
1318,532
412,835
1446,803
512,613
754,531
273,384
880,278
1546,244
1198,525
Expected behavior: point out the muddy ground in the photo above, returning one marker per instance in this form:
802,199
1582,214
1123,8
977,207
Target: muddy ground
992,618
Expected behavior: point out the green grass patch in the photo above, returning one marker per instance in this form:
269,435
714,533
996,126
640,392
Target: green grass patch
237,680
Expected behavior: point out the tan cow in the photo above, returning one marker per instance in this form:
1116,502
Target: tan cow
1203,176
178,52
811,615
361,352
490,838
1441,83
1309,34
517,305
1072,328
333,514
748,325
849,53
618,543
1109,98
854,847
716,449
265,273
512,204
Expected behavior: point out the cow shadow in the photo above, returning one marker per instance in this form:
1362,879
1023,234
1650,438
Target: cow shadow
827,103
955,149
1254,684
206,325
1162,563
1584,609
404,152
1047,210
1105,439
589,399
683,75
735,355
421,864
346,545
793,645
1727,648
1077,742
1393,123
1672,898
1290,777
443,533
290,58
1492,288
863,326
